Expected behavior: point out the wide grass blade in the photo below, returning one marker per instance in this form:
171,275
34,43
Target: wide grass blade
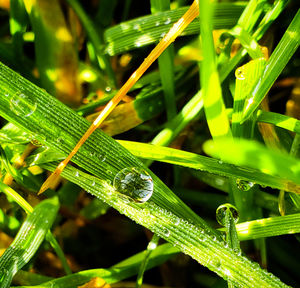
28,240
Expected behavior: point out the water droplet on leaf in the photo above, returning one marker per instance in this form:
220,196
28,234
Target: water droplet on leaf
222,210
22,104
244,185
135,183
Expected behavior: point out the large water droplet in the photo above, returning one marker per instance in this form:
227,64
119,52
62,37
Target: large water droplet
22,104
222,210
244,185
135,183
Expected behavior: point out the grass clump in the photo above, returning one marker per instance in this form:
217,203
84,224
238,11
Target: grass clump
233,149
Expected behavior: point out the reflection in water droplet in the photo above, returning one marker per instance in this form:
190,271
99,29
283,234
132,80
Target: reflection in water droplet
135,183
240,73
222,210
244,185
22,104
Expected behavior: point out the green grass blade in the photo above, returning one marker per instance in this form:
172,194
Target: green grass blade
166,65
287,46
211,87
195,161
28,240
149,29
253,154
269,227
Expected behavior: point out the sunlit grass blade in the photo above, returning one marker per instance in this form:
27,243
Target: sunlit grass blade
246,77
28,239
255,155
211,87
149,29
269,227
195,161
287,46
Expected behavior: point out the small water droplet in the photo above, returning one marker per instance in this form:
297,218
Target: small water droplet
166,232
162,35
76,174
138,44
134,182
22,104
157,23
107,89
240,73
168,21
222,210
244,185
220,162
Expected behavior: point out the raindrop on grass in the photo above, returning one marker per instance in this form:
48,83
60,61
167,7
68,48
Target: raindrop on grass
135,183
22,104
168,21
244,185
222,210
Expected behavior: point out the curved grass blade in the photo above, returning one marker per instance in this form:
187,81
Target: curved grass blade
28,240
287,46
210,83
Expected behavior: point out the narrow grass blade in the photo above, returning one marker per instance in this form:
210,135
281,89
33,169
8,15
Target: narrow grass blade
283,51
28,240
149,29
195,161
166,65
210,83
253,154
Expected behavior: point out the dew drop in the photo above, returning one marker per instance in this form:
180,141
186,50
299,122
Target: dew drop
166,232
244,185
76,174
135,183
157,23
22,104
221,213
168,21
108,89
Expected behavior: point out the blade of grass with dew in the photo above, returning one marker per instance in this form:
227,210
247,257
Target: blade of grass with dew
95,39
28,239
53,124
59,70
195,161
149,29
166,64
214,107
165,214
254,155
227,216
189,238
9,192
287,46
